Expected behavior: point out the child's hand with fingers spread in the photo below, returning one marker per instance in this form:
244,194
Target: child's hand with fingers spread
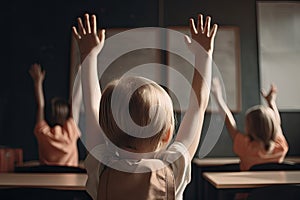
88,37
203,35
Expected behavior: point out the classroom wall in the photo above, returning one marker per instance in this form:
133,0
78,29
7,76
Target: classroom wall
40,31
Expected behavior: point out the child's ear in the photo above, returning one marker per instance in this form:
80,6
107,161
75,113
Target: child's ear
167,136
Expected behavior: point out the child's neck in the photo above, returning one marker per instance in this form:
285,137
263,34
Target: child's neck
138,150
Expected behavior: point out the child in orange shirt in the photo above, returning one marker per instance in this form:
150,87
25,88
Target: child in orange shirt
57,144
264,141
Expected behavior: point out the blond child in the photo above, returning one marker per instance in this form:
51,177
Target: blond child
57,143
140,143
264,141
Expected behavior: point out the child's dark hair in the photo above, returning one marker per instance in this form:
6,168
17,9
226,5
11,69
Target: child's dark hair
60,111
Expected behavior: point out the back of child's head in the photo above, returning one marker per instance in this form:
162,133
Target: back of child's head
261,125
60,111
135,113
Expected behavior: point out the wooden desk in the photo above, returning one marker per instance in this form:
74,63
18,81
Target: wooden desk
240,181
63,181
209,162
216,164
224,180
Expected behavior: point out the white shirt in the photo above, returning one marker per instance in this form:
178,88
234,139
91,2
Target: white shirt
176,155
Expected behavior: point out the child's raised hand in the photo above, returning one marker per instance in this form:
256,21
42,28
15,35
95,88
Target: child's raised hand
37,74
203,35
88,37
271,96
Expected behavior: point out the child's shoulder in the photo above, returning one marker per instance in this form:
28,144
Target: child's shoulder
242,137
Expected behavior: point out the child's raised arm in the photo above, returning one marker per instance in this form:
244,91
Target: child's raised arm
76,98
229,119
90,43
202,46
271,100
38,76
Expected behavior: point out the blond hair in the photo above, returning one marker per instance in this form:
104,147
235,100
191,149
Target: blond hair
147,104
261,125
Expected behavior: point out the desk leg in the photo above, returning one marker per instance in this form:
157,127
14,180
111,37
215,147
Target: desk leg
230,194
222,195
210,192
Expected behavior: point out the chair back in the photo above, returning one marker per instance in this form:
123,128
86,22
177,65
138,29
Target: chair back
275,166
49,169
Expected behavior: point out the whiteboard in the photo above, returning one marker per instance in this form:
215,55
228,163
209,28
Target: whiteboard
279,51
226,58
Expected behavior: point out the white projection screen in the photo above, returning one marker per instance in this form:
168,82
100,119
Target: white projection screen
279,50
